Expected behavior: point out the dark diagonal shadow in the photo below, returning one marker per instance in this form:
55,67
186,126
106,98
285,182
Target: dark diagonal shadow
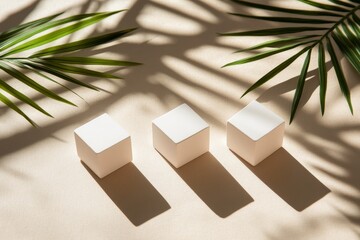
132,193
18,17
214,185
289,179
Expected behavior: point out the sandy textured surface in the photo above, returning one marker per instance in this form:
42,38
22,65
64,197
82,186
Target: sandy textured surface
309,189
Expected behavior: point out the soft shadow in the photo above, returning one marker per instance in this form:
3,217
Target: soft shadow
214,185
132,193
18,17
289,179
311,84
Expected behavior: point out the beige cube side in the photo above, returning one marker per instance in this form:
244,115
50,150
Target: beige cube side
105,162
269,143
254,151
240,143
183,152
163,144
193,147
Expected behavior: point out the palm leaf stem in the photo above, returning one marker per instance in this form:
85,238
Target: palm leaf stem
336,24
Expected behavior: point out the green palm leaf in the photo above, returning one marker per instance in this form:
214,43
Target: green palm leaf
347,48
90,61
355,27
24,35
75,70
356,18
26,26
339,73
82,44
13,106
300,86
277,42
52,36
7,88
21,65
31,83
343,27
345,4
322,77
351,37
266,54
58,74
16,41
275,71
273,31
325,6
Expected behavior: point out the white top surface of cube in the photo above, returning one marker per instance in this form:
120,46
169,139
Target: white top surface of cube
101,133
255,120
180,123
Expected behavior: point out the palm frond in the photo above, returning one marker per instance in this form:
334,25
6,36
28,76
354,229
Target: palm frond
339,73
341,3
47,62
267,53
322,77
26,26
275,71
90,61
340,25
32,31
13,106
325,6
300,85
31,83
75,70
82,44
273,31
21,65
278,42
52,36
12,91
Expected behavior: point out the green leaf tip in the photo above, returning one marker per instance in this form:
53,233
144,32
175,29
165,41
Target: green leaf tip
340,75
322,77
300,86
275,71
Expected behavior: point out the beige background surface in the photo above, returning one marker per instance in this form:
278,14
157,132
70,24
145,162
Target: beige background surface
309,189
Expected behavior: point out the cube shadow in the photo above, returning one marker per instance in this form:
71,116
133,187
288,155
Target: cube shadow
214,185
292,182
132,193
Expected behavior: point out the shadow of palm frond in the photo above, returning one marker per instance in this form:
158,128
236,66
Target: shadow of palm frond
18,17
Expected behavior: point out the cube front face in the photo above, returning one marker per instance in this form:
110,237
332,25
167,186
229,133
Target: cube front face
86,154
180,135
268,144
255,133
101,154
240,143
192,147
163,144
114,157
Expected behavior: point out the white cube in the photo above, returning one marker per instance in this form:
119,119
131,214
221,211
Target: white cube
103,145
255,132
180,135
